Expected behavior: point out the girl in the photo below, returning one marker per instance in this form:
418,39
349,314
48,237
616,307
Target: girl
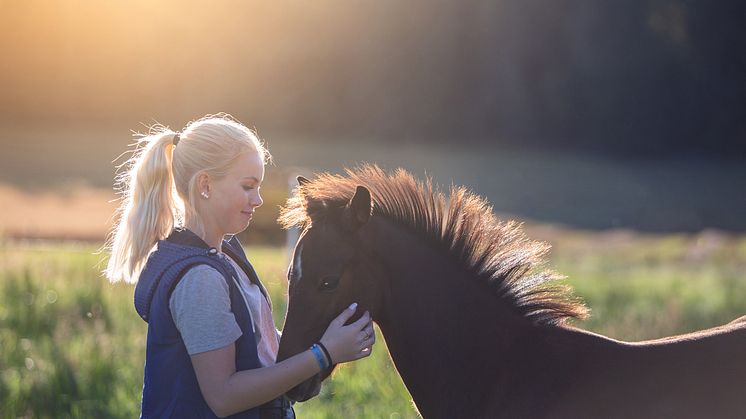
212,343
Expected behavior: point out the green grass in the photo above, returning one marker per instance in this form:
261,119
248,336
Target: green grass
72,345
646,287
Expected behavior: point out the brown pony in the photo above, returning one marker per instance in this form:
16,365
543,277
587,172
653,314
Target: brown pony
474,327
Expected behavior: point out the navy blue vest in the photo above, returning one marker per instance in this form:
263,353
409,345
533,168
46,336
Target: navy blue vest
170,387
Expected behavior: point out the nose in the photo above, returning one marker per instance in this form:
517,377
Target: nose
256,200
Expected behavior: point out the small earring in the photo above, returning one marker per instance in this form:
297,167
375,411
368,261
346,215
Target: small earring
204,195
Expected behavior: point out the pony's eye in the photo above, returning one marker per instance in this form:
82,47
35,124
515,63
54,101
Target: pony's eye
329,283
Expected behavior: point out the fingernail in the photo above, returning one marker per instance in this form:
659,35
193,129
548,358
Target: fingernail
353,306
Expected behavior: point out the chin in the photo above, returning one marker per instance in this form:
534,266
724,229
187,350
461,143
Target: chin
240,228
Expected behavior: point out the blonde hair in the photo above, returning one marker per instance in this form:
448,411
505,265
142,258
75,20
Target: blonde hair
158,184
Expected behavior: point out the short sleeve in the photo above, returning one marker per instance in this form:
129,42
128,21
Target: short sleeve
201,308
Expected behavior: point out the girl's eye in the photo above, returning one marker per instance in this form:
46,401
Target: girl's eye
248,188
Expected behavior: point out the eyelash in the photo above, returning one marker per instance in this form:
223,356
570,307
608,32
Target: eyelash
248,188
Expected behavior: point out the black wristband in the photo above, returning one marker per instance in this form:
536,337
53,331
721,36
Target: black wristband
326,353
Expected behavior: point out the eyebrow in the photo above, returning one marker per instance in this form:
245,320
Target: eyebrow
252,178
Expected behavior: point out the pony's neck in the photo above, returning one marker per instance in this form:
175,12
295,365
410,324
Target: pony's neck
446,333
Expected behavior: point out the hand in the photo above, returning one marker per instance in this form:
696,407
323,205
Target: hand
351,342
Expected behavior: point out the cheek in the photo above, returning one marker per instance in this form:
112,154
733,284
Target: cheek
229,207
237,200
351,291
242,198
367,290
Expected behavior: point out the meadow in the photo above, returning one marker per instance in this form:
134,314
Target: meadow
71,345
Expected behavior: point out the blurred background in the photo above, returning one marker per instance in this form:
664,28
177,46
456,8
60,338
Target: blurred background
590,114
616,130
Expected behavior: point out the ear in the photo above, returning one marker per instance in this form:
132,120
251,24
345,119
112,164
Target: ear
359,208
203,182
302,181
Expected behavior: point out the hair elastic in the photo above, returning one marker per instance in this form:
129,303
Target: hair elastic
176,139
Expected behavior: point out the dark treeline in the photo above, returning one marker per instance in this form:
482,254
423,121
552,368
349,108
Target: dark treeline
638,77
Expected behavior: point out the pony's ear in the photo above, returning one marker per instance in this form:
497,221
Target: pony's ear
302,181
359,208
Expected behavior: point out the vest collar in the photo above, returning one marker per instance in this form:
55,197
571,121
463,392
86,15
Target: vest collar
186,237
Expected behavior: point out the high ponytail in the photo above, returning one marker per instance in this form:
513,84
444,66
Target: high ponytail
149,209
159,185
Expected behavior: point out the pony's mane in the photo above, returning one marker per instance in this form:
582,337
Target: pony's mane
463,222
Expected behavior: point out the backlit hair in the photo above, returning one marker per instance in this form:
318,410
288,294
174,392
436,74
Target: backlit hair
158,184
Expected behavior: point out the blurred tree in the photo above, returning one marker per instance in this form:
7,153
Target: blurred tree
642,77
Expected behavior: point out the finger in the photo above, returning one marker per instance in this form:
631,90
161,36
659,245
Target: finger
362,321
345,315
369,329
367,343
366,333
365,352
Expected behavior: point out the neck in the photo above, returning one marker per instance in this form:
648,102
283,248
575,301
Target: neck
210,235
447,333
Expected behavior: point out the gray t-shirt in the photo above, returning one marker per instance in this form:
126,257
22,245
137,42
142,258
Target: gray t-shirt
200,306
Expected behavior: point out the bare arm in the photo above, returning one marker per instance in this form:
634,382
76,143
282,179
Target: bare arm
228,391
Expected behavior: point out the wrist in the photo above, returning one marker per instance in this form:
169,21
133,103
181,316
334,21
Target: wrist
320,355
326,353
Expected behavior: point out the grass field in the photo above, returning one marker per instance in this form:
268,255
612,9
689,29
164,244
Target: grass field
72,345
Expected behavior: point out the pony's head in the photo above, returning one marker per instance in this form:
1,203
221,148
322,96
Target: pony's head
328,272
338,258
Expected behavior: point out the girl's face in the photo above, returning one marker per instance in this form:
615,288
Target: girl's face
233,198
